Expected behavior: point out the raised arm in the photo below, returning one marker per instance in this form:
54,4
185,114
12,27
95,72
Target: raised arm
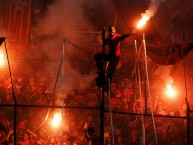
122,37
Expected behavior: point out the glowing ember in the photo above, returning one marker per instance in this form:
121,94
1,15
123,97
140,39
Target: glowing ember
57,119
143,20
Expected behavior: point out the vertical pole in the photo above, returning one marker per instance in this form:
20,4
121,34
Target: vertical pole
188,122
142,109
15,123
145,96
136,76
188,107
148,87
103,92
145,92
102,117
14,98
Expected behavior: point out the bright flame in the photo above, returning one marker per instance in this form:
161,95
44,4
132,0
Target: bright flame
56,120
2,59
170,91
143,20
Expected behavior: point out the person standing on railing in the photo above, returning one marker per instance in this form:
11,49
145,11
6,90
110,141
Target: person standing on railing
112,42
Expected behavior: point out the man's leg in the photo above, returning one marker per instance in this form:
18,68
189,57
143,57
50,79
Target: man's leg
112,66
100,60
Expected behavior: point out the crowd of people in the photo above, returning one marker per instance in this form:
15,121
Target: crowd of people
126,130
127,127
128,118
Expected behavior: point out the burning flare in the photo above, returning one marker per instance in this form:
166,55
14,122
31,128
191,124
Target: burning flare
150,12
57,119
2,59
170,91
143,20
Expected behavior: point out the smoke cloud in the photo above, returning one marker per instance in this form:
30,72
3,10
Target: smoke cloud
153,8
71,21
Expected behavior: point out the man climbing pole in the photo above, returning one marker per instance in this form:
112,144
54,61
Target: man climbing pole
112,42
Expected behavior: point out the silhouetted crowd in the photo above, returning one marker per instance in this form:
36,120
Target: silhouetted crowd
125,122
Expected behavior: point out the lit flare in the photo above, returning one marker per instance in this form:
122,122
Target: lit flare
143,20
2,61
57,119
170,91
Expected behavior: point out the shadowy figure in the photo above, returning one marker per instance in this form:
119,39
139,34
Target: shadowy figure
112,42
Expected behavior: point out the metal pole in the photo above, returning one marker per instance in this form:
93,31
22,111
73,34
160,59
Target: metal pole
103,92
145,79
188,107
102,116
188,122
14,98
